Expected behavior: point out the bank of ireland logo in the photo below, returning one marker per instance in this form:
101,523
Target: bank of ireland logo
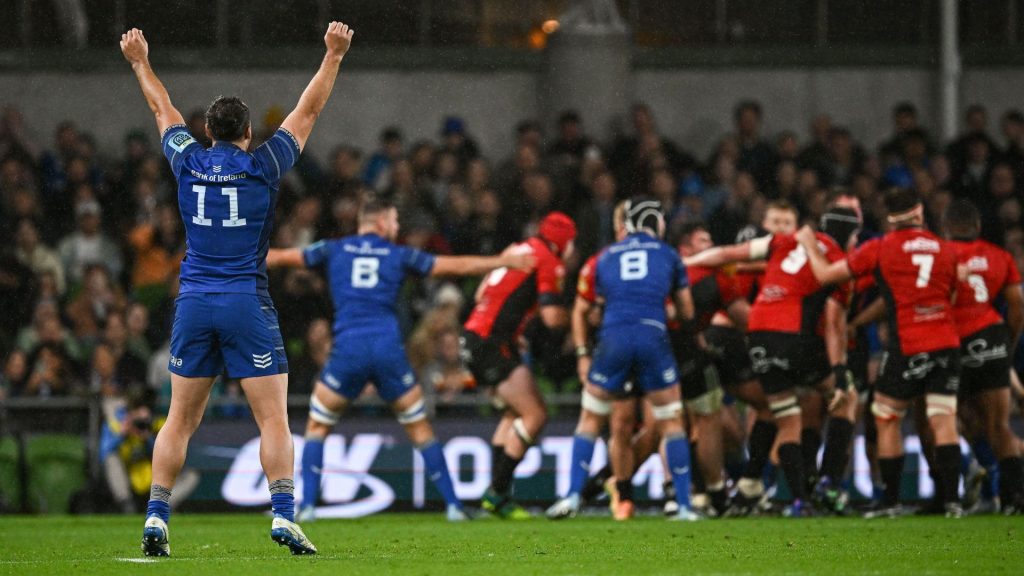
217,169
262,361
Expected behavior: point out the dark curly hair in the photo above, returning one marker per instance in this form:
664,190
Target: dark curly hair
227,117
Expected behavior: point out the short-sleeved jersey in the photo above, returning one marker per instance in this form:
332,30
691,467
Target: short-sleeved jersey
635,276
916,274
508,298
990,270
713,290
791,299
227,197
366,274
585,284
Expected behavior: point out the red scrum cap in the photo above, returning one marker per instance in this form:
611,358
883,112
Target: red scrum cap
558,229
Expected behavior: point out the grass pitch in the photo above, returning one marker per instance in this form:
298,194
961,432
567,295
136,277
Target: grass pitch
229,544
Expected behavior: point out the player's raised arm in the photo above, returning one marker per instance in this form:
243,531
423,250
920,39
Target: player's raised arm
826,272
300,122
717,256
285,258
1014,312
478,265
136,52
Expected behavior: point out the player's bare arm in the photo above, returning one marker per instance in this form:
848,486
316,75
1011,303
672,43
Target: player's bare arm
869,315
554,316
301,120
835,347
478,265
719,256
285,258
136,52
581,337
739,311
824,271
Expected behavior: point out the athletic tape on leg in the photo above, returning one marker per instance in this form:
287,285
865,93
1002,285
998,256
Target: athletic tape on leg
596,405
940,404
784,408
520,429
668,411
886,412
414,413
320,413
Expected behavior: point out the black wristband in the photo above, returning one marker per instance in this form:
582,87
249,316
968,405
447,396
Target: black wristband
843,377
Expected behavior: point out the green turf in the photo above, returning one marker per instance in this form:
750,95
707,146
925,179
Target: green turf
224,545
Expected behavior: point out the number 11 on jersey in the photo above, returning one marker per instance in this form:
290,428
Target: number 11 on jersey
200,218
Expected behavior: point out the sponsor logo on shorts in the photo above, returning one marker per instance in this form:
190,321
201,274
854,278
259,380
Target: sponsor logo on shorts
408,379
977,352
262,361
669,376
762,362
919,365
332,381
176,362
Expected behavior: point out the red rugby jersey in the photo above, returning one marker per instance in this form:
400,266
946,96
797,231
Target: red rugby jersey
916,274
990,270
585,285
713,290
791,299
509,297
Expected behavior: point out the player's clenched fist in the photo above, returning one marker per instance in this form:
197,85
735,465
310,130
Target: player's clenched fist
134,46
338,38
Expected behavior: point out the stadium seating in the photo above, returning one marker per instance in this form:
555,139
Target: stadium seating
56,468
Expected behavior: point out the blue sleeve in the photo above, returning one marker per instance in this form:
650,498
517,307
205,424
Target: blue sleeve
278,154
316,254
417,261
681,276
178,143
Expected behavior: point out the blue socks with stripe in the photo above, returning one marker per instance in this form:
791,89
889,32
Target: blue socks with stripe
582,453
312,469
282,498
677,453
437,471
159,503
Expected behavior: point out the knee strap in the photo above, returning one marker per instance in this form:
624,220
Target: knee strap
707,403
320,413
519,427
940,404
886,413
414,413
784,408
668,411
592,403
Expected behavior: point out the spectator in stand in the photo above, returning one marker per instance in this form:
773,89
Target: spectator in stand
904,119
1013,132
88,245
1000,205
129,367
14,374
568,148
54,163
14,140
844,159
817,155
594,218
42,259
975,126
377,171
735,212
490,233
786,180
787,146
632,155
756,154
343,180
971,179
99,297
158,245
454,139
51,373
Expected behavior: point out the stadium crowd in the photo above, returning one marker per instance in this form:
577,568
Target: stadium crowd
91,240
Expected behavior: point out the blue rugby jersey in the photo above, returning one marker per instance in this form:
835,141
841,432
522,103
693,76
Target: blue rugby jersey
227,197
365,274
635,276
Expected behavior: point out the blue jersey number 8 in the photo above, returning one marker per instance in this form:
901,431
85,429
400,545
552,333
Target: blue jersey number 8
633,265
